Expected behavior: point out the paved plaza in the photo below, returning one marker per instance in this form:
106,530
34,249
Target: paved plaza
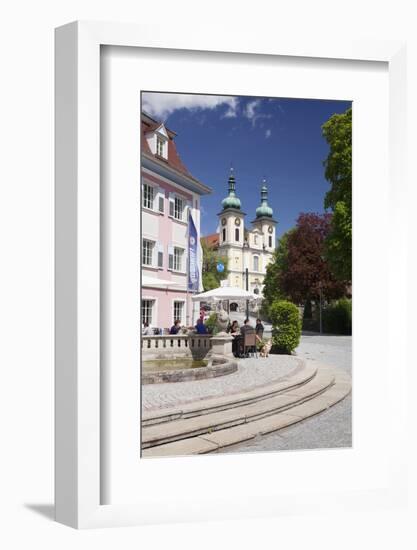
329,429
252,373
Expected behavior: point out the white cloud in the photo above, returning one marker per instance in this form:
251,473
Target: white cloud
251,108
268,133
253,113
232,108
161,105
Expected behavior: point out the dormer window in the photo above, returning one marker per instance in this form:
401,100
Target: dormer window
160,147
158,140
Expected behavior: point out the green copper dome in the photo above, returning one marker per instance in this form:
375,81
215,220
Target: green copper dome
264,211
231,201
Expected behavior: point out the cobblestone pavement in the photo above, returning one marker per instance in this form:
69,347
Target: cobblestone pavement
251,373
330,429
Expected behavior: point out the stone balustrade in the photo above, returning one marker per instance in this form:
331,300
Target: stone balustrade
178,345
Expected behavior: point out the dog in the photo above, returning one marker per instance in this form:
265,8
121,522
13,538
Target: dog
265,349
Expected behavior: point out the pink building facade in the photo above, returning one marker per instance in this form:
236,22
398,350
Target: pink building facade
169,195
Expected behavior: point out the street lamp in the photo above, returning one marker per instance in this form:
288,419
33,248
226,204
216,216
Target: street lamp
322,258
246,274
247,288
321,320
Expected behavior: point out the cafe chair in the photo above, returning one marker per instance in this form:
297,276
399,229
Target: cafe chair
249,344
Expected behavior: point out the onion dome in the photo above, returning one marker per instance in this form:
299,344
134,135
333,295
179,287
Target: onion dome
264,211
231,201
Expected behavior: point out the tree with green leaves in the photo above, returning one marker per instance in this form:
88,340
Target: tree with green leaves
300,271
272,290
338,171
211,257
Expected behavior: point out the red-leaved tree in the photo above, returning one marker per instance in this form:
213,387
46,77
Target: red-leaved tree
307,270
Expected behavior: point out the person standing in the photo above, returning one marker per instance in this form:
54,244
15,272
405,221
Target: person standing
259,329
200,326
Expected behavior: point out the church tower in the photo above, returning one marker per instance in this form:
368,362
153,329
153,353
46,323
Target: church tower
232,232
231,217
264,220
248,250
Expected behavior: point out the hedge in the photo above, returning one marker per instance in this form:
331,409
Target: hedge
337,317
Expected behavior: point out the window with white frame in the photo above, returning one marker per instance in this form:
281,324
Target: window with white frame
178,312
270,241
148,196
255,239
178,258
256,263
178,208
147,252
160,146
147,311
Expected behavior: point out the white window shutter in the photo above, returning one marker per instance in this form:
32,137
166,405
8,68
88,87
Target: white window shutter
154,255
171,204
170,257
160,255
161,200
188,210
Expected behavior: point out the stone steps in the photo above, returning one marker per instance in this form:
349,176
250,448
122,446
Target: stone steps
224,402
208,432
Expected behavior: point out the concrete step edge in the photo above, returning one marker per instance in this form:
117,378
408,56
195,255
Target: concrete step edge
209,443
185,428
216,404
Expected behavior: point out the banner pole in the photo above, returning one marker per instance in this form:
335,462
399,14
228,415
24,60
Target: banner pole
188,271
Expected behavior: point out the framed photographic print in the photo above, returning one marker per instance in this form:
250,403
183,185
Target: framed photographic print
213,269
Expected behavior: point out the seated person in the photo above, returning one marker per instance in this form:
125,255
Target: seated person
176,327
200,326
247,327
234,328
147,330
235,332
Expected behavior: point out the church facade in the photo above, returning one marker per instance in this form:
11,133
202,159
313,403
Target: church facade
248,248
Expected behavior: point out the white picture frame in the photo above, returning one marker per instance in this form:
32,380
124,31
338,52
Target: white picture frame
78,262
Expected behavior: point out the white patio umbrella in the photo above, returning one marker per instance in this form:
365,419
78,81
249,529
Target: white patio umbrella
224,293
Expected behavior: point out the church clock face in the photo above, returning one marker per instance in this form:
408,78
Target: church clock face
224,221
237,221
270,229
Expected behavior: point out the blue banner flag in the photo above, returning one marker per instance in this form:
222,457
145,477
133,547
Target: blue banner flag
193,271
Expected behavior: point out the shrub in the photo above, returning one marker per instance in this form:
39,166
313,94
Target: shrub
308,312
337,317
311,325
263,313
211,323
286,326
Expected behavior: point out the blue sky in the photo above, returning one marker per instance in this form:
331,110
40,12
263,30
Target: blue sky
276,138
